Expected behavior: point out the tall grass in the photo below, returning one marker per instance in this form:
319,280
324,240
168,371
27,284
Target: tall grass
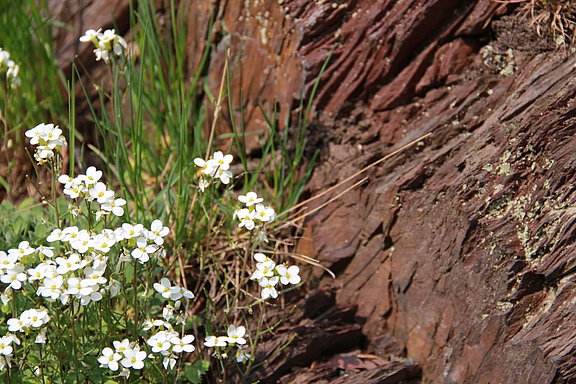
26,32
156,127
150,116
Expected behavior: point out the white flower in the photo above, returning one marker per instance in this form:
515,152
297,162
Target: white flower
15,325
74,286
187,294
163,287
177,292
183,344
50,288
100,193
246,219
65,179
50,133
265,269
268,285
6,296
106,38
241,355
101,213
33,318
13,71
261,258
8,261
42,153
34,133
120,45
5,361
101,54
222,162
236,335
169,361
168,312
103,243
121,346
55,235
46,251
89,294
90,35
131,231
74,189
114,206
250,199
288,275
206,166
96,273
263,213
69,233
148,324
41,337
134,358
215,341
224,176
203,184
82,241
157,232
159,343
23,249
114,287
14,277
91,177
143,249
125,373
66,265
109,359
5,347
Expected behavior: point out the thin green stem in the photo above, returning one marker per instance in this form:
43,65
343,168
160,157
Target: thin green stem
41,363
54,177
74,341
135,300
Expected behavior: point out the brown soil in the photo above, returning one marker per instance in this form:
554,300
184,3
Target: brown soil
455,260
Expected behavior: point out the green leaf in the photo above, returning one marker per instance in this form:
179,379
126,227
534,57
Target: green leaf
26,203
4,183
18,224
195,371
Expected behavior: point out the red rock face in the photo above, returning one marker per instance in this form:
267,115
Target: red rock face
457,254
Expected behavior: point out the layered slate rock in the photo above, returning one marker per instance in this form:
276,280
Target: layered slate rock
463,247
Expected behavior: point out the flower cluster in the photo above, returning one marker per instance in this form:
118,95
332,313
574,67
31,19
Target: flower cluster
172,292
268,274
48,138
80,272
254,215
6,350
12,69
105,43
128,354
89,187
30,318
167,341
235,337
217,167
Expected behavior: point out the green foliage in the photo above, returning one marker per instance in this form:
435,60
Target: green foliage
22,222
26,31
195,371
